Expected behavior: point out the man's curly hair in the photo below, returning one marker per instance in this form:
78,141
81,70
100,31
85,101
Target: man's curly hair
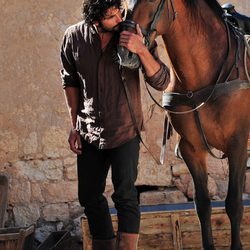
94,10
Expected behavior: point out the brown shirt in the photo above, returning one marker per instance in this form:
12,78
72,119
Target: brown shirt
103,119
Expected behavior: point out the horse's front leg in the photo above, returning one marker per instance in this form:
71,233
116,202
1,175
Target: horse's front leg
237,158
195,158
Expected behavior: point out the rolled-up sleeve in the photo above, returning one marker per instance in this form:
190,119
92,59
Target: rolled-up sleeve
161,78
68,72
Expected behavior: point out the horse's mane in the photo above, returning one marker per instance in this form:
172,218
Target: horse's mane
213,4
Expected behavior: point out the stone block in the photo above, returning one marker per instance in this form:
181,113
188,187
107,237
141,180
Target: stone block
30,144
77,227
62,191
56,212
26,215
75,209
149,173
217,168
53,170
109,180
8,141
39,170
180,169
162,197
71,173
222,188
185,184
190,190
43,231
36,193
20,191
182,182
212,187
55,143
69,161
247,182
108,192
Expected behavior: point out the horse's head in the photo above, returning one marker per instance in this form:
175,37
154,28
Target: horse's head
149,15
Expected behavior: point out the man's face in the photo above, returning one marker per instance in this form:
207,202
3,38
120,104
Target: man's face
111,19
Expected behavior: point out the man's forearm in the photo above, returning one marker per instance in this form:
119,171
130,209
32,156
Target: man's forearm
151,66
72,100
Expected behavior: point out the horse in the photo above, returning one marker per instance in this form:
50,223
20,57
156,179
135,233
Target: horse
208,96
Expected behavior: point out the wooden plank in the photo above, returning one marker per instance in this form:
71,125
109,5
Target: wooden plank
4,186
176,231
171,230
87,241
155,241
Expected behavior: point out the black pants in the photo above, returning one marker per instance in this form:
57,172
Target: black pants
93,165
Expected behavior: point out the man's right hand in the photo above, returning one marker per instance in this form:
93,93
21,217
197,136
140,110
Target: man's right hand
75,141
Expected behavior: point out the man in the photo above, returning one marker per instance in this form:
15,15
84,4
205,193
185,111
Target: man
103,133
239,20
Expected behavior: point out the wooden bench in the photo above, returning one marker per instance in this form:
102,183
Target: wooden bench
176,226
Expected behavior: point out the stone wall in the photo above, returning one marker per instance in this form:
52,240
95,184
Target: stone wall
34,124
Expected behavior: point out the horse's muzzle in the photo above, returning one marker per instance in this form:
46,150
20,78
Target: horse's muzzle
127,58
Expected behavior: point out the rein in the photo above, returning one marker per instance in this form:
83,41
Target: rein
152,27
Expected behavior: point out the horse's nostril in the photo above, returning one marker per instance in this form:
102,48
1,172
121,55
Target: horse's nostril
126,58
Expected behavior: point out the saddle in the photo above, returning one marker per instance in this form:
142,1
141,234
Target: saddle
239,21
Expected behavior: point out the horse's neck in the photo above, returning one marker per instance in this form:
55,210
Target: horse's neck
196,48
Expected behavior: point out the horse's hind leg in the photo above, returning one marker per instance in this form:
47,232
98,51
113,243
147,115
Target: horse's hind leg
195,158
237,158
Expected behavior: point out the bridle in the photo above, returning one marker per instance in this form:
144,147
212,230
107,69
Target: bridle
131,60
152,26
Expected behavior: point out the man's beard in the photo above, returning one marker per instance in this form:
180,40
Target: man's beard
105,29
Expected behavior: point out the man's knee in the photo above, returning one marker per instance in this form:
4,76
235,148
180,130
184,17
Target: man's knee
87,199
125,196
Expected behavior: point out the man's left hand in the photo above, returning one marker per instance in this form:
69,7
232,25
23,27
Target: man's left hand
133,42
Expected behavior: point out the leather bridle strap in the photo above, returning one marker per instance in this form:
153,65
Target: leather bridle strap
203,136
173,8
147,32
157,15
133,117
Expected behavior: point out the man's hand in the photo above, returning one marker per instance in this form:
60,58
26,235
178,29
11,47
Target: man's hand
75,141
133,42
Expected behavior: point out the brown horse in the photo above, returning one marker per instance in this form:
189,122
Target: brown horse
208,98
